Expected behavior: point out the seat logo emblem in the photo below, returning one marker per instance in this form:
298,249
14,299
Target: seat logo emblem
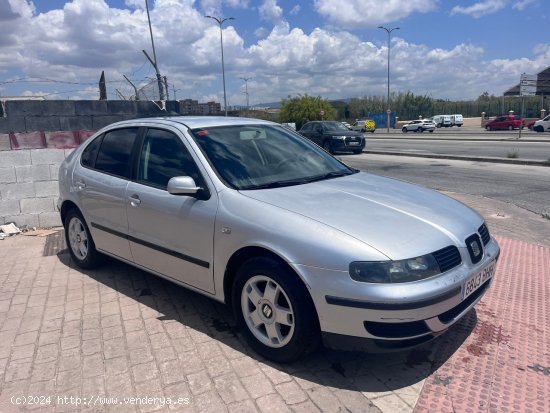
267,311
476,248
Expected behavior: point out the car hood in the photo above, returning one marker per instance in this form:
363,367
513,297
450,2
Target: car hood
342,133
399,219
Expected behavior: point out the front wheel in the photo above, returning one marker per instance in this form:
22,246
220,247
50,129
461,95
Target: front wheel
274,310
431,131
510,127
487,128
80,242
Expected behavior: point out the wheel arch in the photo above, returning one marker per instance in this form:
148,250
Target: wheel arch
242,255
66,207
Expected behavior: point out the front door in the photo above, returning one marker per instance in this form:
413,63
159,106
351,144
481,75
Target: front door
170,234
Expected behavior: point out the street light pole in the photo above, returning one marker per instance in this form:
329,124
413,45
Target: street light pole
154,62
220,21
388,110
246,79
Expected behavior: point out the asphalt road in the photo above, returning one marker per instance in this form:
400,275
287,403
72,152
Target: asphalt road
428,143
525,186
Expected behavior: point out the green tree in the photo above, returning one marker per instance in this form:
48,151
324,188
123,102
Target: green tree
301,109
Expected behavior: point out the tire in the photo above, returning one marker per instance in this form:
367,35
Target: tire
404,130
327,147
264,291
488,128
431,131
510,127
79,241
538,128
459,126
421,130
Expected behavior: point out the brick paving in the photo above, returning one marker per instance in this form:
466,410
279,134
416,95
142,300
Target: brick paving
118,332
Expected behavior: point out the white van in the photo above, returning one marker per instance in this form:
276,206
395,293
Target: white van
457,120
442,121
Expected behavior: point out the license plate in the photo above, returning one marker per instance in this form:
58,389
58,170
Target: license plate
477,280
353,143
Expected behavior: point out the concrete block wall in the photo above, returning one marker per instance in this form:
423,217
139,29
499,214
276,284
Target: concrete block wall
28,186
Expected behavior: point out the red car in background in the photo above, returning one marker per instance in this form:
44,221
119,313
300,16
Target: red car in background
509,122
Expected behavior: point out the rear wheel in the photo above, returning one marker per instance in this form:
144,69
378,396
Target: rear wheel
510,127
80,242
274,310
404,130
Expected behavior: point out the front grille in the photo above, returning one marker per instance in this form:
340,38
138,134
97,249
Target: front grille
484,233
396,330
447,258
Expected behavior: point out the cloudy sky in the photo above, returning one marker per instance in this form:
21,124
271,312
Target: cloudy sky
449,49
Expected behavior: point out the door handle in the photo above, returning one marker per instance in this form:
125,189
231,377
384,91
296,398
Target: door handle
134,200
80,185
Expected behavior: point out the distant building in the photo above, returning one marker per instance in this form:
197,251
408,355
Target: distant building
193,107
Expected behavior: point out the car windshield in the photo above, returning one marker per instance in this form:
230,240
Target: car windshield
265,156
334,126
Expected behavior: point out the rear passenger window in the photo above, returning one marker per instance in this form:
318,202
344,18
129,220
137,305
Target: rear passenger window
114,153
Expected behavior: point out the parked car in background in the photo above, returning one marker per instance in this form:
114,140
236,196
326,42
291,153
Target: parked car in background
542,125
299,245
333,136
367,125
506,122
442,121
347,125
419,125
457,120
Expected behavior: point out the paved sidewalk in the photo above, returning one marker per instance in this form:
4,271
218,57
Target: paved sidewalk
118,332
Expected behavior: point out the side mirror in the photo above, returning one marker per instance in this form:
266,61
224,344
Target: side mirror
185,185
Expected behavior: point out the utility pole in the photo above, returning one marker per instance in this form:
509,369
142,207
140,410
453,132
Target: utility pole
220,21
388,110
154,62
246,79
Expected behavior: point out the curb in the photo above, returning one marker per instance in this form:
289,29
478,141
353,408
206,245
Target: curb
464,158
481,139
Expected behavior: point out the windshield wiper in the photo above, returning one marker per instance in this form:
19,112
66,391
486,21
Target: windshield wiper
276,184
331,175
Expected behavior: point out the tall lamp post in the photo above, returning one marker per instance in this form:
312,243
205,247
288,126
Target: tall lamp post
220,21
246,79
388,110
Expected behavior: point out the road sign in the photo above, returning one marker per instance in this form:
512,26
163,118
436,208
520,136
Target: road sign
528,85
388,111
322,112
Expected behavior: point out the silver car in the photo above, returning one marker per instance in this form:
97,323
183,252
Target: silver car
419,125
300,245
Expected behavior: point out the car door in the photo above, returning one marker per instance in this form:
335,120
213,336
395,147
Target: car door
317,133
100,180
170,234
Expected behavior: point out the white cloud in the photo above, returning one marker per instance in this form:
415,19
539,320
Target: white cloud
269,10
370,13
295,10
522,4
215,6
481,8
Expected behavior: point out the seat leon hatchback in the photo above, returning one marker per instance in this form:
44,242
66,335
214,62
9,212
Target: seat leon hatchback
298,244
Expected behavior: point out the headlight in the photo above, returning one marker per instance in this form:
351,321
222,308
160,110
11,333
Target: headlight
402,271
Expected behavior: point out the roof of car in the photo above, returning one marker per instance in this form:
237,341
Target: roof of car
193,122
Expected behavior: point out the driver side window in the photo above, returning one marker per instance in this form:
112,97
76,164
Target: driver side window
163,156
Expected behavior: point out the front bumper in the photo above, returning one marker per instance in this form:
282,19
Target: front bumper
348,144
394,315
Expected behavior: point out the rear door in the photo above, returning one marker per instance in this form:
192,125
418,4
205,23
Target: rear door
100,180
170,234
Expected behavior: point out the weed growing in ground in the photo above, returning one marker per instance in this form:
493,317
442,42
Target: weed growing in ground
514,153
